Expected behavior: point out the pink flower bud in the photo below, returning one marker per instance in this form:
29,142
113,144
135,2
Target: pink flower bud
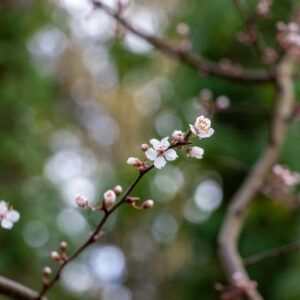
63,246
81,201
148,204
196,152
47,271
183,29
133,161
109,198
118,190
55,256
177,135
144,147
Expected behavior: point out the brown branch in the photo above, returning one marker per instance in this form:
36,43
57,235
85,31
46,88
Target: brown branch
94,235
236,213
272,253
203,65
16,290
107,213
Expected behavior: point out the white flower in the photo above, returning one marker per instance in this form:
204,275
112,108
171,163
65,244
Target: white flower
109,197
202,127
148,204
82,201
133,161
8,216
177,135
160,152
196,152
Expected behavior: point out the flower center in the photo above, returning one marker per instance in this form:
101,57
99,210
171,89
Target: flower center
203,125
160,152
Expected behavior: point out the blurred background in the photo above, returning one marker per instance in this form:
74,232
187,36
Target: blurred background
76,100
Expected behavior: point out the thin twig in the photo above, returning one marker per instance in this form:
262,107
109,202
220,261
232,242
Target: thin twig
107,213
95,233
249,20
272,253
203,65
236,213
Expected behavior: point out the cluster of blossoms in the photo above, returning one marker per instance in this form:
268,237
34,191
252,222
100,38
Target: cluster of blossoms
207,104
162,151
8,216
263,9
280,186
288,37
285,175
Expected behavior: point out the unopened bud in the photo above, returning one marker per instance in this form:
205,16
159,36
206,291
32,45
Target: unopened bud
177,135
133,161
144,147
118,190
63,246
81,201
55,256
148,204
206,95
183,29
109,198
47,271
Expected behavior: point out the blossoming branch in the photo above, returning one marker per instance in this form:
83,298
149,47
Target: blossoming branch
160,152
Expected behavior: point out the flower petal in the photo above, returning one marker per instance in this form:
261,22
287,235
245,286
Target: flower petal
6,224
207,134
201,118
159,162
3,205
13,216
170,154
155,143
151,154
192,127
164,144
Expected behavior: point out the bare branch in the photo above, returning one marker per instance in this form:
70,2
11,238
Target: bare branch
16,290
272,253
203,65
234,219
249,20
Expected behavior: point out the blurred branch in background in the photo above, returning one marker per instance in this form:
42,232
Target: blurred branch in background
236,213
15,290
252,29
285,249
203,65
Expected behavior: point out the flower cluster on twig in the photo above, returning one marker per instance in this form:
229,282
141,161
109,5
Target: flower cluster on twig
280,185
8,216
288,37
158,153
